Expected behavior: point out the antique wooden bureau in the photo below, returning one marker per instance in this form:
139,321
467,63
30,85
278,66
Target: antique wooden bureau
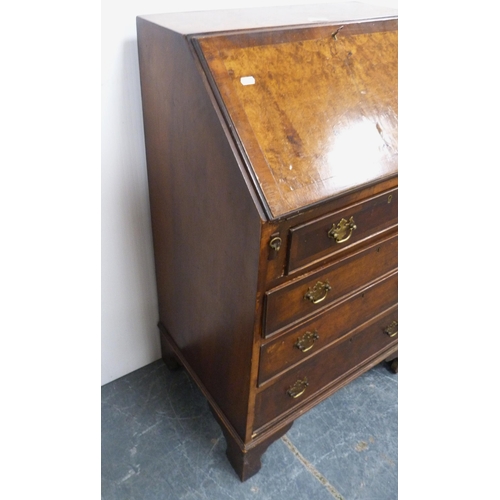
272,154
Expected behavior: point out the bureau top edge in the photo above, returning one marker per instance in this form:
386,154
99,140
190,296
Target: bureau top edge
216,21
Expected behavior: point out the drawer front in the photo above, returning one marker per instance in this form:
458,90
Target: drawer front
308,296
312,336
340,230
303,382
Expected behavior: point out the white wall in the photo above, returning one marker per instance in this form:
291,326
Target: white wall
129,336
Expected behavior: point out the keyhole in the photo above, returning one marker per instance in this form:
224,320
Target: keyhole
334,35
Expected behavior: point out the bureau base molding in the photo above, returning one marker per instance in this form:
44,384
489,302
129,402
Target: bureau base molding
245,458
173,356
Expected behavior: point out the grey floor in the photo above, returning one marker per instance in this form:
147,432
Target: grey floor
160,441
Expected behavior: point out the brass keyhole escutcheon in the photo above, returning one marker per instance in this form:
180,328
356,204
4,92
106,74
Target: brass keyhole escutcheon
306,342
335,33
389,199
298,388
343,230
318,292
392,329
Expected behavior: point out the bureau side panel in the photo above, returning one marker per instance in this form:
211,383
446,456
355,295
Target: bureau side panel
206,226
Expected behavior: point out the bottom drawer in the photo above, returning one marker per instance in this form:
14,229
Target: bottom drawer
303,382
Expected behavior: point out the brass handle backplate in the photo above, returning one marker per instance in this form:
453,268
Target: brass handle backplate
306,342
343,230
392,329
318,292
298,388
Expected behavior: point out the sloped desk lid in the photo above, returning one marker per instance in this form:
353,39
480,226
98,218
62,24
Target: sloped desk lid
314,110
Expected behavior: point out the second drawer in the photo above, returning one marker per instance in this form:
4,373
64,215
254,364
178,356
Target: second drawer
300,299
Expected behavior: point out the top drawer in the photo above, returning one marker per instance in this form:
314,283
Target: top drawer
340,230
